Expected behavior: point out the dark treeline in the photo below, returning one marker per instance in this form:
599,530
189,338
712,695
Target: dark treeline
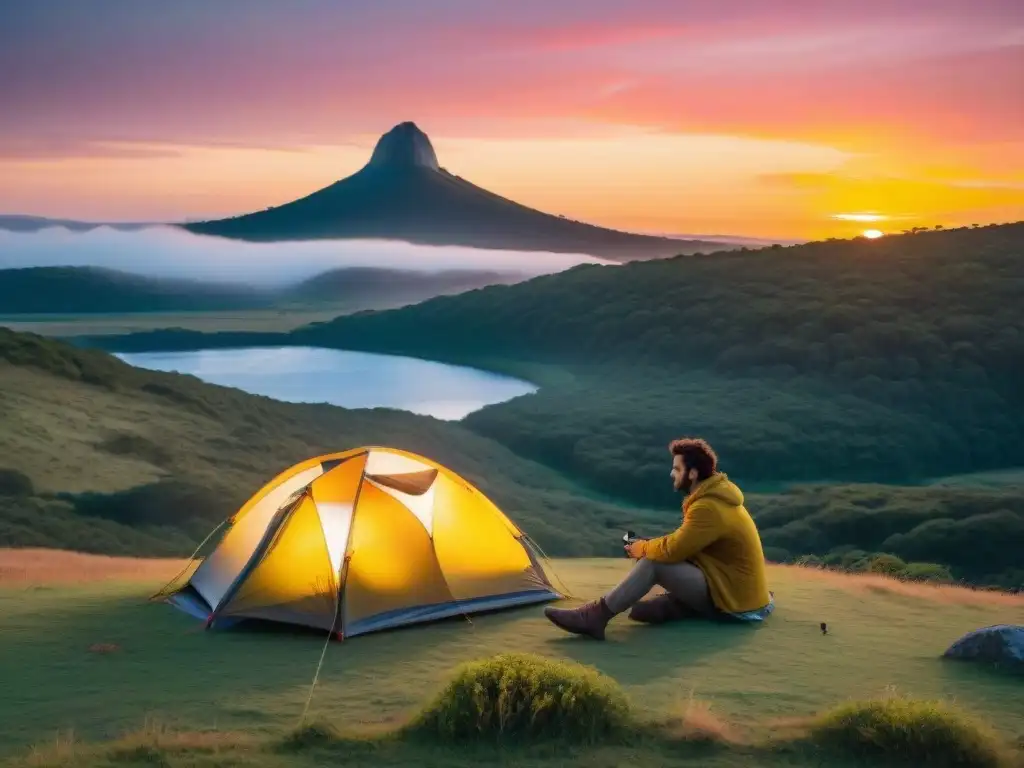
73,290
88,290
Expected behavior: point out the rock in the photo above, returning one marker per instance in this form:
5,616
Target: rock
404,145
1001,645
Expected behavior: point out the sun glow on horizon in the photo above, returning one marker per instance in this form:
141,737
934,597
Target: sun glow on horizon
865,217
873,234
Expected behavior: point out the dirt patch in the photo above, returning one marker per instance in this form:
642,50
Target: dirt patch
879,583
104,648
42,567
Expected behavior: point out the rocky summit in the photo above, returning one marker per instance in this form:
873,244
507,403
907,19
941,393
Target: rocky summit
404,145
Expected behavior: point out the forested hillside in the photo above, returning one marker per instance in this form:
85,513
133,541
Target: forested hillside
893,360
74,290
887,361
936,307
98,456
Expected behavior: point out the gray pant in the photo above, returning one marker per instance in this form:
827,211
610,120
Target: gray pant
684,581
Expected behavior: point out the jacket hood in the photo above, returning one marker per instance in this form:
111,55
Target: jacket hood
718,487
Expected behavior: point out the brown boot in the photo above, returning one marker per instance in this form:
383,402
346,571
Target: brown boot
589,619
659,610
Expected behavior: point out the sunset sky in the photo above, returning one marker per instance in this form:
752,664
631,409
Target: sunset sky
788,119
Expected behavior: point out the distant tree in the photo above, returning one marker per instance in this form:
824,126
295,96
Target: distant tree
777,555
887,564
927,572
854,560
15,483
810,561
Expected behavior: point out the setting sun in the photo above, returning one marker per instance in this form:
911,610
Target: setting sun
873,234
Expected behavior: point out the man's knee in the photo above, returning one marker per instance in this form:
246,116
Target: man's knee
676,571
684,580
649,569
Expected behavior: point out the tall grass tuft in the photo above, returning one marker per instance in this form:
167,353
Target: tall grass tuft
521,696
910,731
315,734
694,723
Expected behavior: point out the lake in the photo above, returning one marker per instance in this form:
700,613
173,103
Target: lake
344,378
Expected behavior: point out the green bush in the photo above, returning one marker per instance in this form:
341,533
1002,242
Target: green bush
309,735
169,501
854,560
514,695
887,564
15,483
926,572
777,555
810,561
913,732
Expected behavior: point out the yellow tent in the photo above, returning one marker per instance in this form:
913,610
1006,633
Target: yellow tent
361,541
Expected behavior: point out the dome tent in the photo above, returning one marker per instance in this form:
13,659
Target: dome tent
360,541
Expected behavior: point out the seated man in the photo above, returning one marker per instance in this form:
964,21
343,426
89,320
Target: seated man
712,566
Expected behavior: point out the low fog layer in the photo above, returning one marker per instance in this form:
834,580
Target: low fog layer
170,252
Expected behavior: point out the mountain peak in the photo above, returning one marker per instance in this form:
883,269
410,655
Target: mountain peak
403,146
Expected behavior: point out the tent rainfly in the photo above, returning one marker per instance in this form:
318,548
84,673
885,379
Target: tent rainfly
361,541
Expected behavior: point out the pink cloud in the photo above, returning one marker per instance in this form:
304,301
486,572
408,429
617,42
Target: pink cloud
312,73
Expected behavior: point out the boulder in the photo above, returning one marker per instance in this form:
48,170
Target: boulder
1001,645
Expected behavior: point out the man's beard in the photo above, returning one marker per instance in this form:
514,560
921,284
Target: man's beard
685,485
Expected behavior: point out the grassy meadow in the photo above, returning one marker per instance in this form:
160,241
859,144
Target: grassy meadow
868,405
84,656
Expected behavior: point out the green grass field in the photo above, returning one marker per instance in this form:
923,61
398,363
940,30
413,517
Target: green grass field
251,686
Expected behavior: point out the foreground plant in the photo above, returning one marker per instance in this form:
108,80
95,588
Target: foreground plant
515,695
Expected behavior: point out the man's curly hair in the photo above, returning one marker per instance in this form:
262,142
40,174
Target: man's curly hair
697,454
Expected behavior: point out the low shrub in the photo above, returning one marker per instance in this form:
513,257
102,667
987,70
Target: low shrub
887,564
927,572
15,483
169,501
909,731
516,695
314,734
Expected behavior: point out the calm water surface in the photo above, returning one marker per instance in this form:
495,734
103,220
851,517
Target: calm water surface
340,377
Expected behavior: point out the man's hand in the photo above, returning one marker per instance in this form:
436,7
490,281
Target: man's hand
636,549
